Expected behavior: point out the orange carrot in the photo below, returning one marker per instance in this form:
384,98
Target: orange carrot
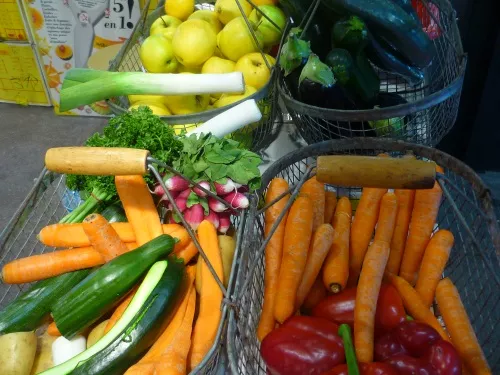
117,314
187,253
73,235
43,266
318,250
103,237
52,330
423,218
316,192
433,263
139,207
386,218
403,216
458,324
273,254
362,229
330,203
367,293
207,323
336,267
414,305
315,295
298,233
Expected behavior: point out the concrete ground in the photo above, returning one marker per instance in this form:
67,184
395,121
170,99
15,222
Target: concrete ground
25,134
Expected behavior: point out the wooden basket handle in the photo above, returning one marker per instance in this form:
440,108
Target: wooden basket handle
101,161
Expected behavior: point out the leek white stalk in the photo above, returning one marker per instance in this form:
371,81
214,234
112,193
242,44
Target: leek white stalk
98,85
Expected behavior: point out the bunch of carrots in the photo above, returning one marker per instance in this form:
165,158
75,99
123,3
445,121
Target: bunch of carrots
318,248
186,340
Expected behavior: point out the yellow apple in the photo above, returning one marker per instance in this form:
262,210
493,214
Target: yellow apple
218,65
227,99
228,9
186,104
235,40
157,55
180,128
157,108
189,69
146,98
180,9
194,42
165,25
209,16
255,71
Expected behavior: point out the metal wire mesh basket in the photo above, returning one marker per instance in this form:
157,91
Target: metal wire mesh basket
252,136
48,202
466,210
431,107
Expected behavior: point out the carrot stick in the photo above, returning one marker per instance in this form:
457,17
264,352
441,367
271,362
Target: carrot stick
103,237
315,295
362,229
139,207
386,218
73,235
336,267
433,263
187,253
207,323
403,216
414,305
330,204
458,324
298,233
320,245
43,266
367,293
423,218
117,314
316,192
273,254
52,330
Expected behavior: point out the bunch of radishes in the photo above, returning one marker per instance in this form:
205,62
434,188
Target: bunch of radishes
196,205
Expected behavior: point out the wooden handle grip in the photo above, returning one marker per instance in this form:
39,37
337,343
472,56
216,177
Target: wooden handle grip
102,161
379,172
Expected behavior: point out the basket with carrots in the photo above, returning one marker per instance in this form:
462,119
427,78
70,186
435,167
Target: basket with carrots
404,282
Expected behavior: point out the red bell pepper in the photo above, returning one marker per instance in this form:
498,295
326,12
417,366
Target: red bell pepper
374,368
414,348
429,24
339,308
302,344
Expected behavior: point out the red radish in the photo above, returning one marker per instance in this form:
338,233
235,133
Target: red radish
243,189
229,186
213,217
176,183
200,192
215,205
158,190
181,204
224,222
237,200
184,193
194,215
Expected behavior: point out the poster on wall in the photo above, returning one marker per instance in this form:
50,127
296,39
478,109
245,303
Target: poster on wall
69,32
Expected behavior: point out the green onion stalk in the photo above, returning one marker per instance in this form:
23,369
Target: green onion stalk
94,203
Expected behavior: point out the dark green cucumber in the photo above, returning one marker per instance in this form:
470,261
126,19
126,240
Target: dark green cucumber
141,332
351,34
386,18
96,294
27,311
114,214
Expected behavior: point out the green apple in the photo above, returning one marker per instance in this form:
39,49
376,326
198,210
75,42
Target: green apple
270,33
157,55
165,25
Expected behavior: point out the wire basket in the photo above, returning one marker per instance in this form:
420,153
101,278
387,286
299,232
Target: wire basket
48,202
251,137
466,210
431,108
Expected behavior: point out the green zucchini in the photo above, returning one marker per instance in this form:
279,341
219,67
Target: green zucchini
388,19
96,294
28,310
141,332
114,214
148,285
351,34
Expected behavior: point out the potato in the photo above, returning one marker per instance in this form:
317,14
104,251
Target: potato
17,353
43,358
96,334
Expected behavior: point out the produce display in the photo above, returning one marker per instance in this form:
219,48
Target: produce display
117,295
204,41
352,292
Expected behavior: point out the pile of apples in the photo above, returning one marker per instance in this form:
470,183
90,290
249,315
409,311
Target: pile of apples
190,41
